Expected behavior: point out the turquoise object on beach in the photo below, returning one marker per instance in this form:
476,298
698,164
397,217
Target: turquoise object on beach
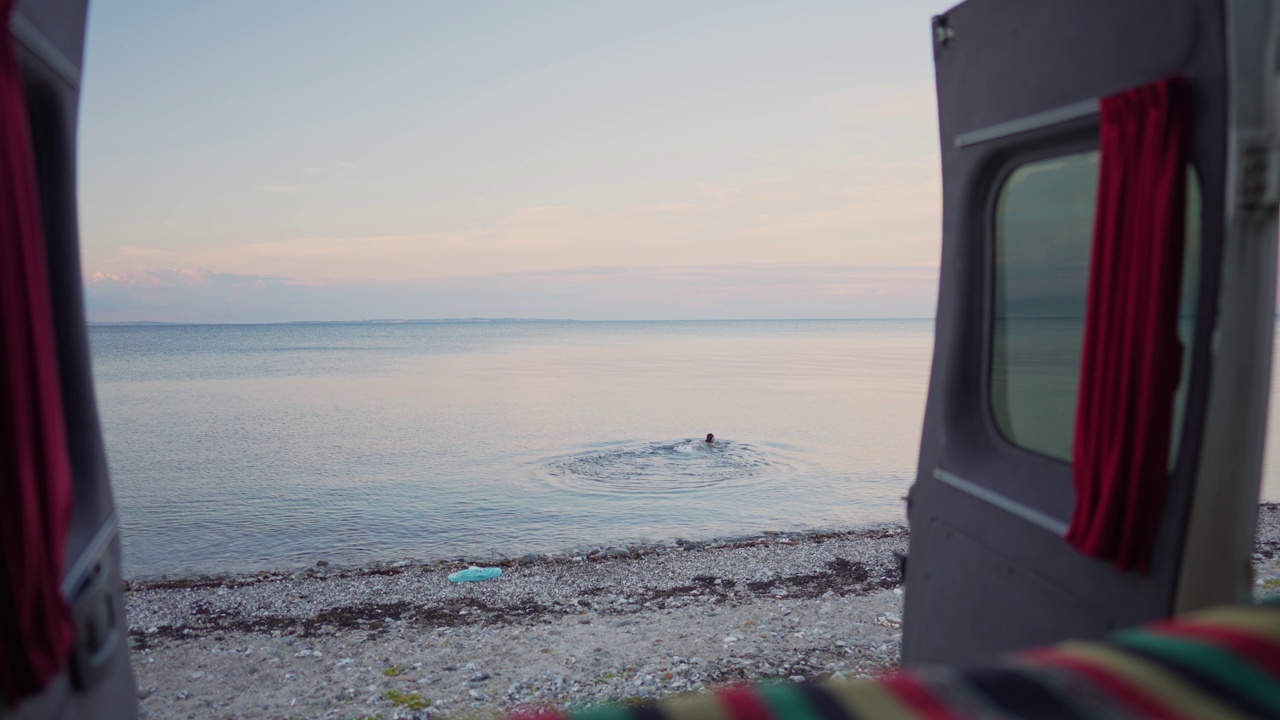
475,574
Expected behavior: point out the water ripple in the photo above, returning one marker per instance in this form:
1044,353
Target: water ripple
663,468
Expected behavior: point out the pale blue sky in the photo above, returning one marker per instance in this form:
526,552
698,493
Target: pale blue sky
251,161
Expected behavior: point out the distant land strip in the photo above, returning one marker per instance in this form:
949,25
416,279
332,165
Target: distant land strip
372,321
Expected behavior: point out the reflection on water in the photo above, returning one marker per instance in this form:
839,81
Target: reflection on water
682,466
243,447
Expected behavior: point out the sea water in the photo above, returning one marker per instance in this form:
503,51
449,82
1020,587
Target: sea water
243,447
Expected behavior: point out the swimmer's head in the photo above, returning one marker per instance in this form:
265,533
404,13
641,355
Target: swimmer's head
711,438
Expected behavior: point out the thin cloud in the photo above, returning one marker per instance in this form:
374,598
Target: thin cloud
659,292
872,213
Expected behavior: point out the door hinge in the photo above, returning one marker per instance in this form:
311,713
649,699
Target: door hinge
99,618
1259,176
942,32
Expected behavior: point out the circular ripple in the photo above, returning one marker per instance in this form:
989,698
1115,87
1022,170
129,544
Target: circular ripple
660,467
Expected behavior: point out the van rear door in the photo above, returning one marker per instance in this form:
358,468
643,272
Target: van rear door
1018,88
98,683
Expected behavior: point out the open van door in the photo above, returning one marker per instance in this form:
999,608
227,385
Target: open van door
97,681
1019,86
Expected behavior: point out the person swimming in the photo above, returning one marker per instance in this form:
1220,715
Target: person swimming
711,438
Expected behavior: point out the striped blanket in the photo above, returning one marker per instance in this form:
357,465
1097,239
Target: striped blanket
1223,663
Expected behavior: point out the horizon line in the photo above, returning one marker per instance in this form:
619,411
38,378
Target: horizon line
462,320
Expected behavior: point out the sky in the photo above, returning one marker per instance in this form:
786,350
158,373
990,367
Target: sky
268,162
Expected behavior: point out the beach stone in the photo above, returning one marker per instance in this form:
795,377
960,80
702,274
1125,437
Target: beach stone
617,552
523,629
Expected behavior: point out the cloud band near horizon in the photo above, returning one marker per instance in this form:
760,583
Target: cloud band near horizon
604,292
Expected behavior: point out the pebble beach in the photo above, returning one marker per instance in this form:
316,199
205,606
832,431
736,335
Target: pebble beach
399,640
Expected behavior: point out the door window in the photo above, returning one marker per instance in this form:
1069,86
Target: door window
1043,236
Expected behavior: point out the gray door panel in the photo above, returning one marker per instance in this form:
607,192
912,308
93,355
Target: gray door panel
99,681
1017,85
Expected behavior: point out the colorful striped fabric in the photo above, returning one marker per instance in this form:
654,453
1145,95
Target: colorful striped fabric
1223,663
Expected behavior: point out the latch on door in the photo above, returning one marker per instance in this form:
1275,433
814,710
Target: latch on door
98,618
1259,176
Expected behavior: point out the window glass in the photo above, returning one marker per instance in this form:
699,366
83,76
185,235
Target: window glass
1043,237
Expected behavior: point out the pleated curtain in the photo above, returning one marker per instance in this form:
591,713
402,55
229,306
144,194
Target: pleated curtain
1132,356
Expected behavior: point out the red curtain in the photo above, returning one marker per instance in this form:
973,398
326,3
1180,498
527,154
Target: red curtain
36,627
1131,355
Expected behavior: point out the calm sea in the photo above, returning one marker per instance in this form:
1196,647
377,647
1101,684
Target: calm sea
243,447
237,447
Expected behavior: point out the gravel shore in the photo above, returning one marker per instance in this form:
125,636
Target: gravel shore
401,641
